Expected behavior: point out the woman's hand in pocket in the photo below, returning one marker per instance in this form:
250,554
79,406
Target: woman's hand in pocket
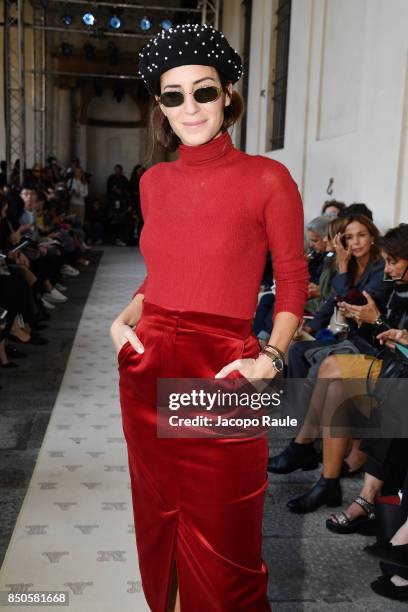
121,333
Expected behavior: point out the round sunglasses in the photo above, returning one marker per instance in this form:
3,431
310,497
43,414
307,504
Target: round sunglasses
202,95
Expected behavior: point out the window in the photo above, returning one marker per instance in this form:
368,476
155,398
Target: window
279,74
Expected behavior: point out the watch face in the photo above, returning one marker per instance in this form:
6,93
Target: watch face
278,364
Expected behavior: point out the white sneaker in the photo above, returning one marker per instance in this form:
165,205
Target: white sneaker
47,304
60,287
57,293
55,296
69,270
120,243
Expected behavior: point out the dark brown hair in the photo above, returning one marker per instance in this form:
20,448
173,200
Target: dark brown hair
339,205
160,131
395,242
374,254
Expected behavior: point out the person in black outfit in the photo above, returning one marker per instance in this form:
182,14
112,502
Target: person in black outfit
118,191
386,469
118,184
95,223
3,174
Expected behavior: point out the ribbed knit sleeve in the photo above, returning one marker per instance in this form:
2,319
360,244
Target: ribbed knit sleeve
283,215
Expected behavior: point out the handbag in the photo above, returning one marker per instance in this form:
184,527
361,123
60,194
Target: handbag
390,392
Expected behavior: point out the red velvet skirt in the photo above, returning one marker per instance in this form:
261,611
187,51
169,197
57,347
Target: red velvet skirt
197,502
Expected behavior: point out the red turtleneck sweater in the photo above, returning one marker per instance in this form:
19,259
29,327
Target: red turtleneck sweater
210,218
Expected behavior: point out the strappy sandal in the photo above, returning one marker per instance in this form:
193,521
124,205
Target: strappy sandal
341,523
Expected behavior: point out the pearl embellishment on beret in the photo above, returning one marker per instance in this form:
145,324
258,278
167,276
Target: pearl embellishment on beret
185,49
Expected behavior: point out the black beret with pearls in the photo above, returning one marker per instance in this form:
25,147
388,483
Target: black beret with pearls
188,44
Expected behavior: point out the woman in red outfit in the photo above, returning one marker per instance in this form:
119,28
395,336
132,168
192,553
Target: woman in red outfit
210,218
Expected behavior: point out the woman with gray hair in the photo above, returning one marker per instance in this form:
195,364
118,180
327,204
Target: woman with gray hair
321,232
316,255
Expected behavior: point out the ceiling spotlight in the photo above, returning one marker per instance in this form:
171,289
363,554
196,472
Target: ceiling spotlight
66,49
114,22
88,19
67,19
145,24
166,24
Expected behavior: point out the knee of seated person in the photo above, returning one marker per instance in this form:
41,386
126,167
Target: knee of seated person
296,348
329,368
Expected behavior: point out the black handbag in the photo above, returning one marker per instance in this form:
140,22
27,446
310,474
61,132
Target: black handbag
390,391
394,365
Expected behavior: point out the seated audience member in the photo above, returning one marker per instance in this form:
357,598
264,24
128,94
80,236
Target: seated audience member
319,293
317,230
15,294
360,268
332,208
46,262
386,469
68,237
316,235
356,209
342,456
393,556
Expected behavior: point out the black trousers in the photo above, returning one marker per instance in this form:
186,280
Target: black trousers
48,267
388,461
15,297
298,366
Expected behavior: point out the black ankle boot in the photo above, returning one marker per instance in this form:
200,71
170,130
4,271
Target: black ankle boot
383,586
326,491
294,457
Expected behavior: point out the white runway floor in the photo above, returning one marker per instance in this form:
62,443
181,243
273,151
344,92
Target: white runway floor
75,531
